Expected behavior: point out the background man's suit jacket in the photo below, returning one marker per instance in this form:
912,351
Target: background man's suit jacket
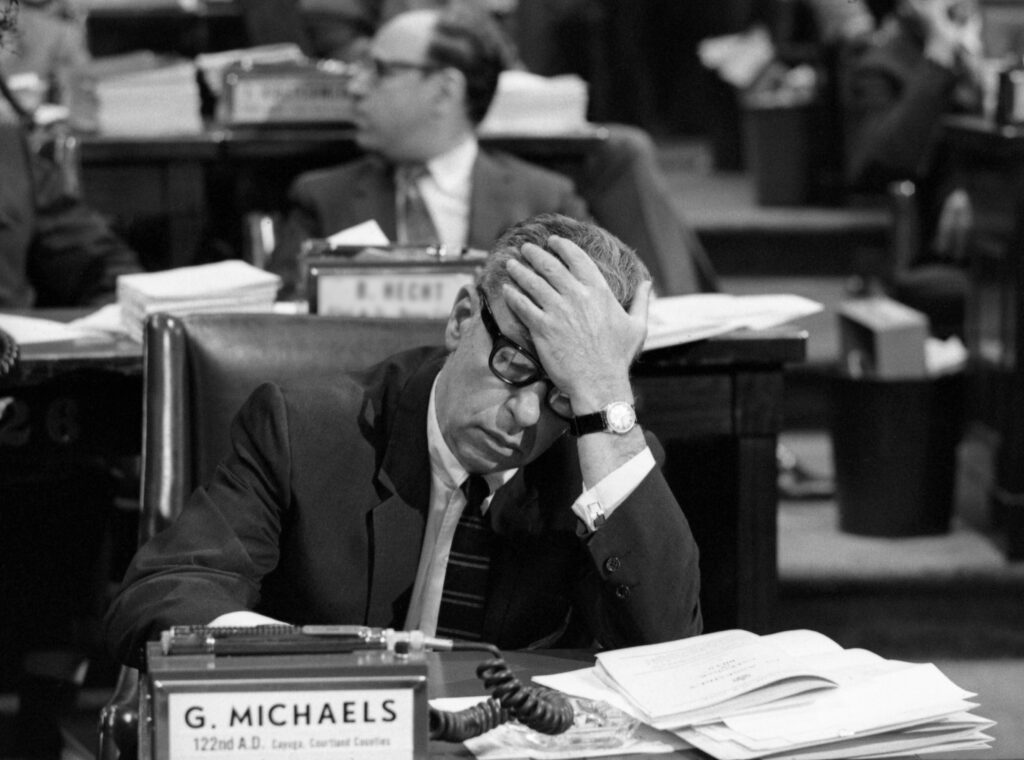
318,517
505,190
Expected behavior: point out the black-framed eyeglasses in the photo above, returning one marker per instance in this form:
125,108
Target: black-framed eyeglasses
517,366
378,68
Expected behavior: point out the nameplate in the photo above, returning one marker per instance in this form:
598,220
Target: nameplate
326,722
285,95
363,705
400,290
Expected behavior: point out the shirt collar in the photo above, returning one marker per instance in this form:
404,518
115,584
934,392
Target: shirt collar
452,169
444,464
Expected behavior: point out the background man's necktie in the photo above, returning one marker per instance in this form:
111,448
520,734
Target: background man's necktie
461,615
413,221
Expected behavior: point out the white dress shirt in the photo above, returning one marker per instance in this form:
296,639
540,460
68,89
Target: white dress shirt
446,191
447,502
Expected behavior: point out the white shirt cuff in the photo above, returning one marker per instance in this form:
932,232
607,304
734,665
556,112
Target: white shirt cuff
596,504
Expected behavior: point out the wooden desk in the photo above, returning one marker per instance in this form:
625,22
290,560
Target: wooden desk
716,407
989,163
179,199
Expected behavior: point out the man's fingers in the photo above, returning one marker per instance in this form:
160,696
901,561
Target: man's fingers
531,282
521,305
579,264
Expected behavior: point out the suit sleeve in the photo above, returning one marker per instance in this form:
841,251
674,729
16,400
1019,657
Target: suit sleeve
212,559
645,587
302,221
75,258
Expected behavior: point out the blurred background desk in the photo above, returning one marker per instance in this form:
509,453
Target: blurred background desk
989,164
182,200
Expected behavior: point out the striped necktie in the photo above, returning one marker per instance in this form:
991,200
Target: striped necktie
461,615
413,222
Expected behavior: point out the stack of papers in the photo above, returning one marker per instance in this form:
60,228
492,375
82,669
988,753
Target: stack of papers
796,694
163,100
225,286
530,104
674,320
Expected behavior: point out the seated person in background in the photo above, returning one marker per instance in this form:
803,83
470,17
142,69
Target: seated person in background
339,501
54,251
898,82
427,84
50,45
619,181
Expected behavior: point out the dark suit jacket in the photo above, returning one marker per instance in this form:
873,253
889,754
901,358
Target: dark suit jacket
505,190
318,517
53,250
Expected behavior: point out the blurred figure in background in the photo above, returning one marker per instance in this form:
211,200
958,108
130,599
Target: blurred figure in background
54,251
922,62
44,64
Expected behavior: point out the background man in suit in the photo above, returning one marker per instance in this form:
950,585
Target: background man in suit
339,503
619,180
428,81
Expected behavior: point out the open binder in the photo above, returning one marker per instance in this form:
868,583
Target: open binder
397,281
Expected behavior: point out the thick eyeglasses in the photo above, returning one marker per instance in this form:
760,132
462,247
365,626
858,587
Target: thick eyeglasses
517,366
378,68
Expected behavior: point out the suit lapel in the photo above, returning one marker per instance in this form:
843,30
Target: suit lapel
397,522
488,200
373,196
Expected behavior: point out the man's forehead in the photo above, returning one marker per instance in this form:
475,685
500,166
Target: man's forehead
406,37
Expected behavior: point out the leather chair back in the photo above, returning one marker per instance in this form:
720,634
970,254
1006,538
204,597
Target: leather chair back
199,369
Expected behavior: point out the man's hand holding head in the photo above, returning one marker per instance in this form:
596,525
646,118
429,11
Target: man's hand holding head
583,336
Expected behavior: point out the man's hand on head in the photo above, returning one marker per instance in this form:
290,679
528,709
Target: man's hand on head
583,337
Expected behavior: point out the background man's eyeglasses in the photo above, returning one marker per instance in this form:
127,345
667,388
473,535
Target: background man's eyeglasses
517,366
378,68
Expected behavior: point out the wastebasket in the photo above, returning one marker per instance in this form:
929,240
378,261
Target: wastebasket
894,447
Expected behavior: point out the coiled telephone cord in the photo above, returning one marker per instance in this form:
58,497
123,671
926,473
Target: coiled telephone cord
539,708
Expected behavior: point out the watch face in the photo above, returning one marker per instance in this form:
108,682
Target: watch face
621,417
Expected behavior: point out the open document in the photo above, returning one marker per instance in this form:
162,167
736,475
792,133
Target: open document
795,694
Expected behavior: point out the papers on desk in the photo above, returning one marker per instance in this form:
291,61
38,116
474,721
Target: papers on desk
224,286
530,104
673,320
30,331
796,694
159,97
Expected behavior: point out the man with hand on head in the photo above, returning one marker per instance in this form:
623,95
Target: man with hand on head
345,502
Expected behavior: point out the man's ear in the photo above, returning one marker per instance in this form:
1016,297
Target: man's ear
453,84
465,306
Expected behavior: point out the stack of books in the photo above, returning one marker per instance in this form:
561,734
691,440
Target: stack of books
225,286
795,694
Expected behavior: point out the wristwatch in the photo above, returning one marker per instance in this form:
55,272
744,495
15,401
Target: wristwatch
618,417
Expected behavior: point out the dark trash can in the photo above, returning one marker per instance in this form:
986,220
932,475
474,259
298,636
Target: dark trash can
894,446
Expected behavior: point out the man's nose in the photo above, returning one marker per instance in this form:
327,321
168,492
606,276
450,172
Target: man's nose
358,82
527,403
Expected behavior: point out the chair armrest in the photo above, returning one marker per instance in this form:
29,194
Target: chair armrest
119,719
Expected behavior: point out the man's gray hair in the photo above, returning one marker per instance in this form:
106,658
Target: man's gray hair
621,267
